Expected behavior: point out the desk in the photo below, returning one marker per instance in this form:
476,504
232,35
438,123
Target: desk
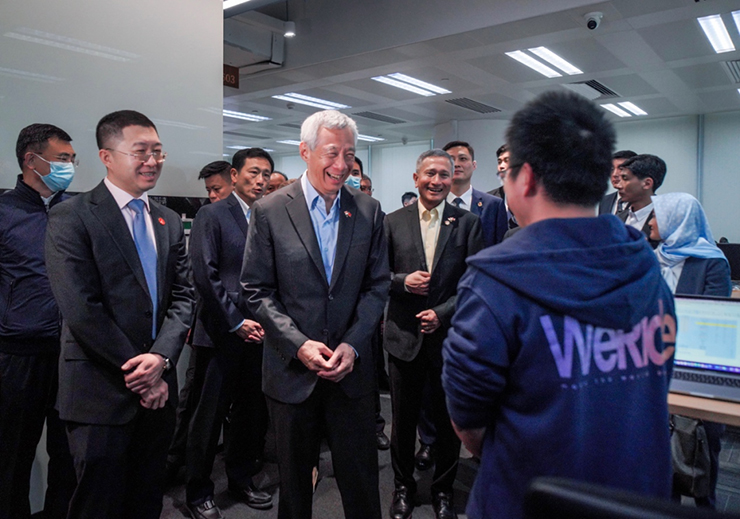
705,408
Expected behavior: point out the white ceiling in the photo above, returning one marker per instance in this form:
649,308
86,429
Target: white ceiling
650,52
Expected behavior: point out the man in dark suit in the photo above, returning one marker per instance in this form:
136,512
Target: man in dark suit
316,278
228,369
428,243
488,208
612,203
119,271
640,178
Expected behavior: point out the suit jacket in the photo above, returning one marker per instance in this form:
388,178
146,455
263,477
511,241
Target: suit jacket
645,228
607,203
703,276
99,284
492,213
217,243
498,192
286,288
459,237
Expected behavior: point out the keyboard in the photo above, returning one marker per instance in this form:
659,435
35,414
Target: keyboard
704,378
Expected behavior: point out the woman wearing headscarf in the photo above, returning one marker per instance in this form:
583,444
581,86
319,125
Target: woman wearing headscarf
691,264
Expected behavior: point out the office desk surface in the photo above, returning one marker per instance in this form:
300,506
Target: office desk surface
705,408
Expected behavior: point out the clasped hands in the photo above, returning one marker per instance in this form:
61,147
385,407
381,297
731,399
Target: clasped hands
330,365
143,375
418,283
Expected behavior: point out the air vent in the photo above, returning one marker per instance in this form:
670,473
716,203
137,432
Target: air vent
591,89
732,69
464,102
291,125
247,135
380,117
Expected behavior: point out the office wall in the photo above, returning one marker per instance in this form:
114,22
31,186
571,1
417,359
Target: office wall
70,63
721,180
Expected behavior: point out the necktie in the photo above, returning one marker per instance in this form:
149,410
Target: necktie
457,201
147,255
430,234
249,214
620,205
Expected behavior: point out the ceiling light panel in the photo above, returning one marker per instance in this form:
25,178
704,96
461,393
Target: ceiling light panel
245,117
633,108
294,143
526,59
369,138
555,60
419,83
616,110
402,85
310,101
716,32
231,3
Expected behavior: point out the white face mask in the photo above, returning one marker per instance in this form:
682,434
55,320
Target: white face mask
60,175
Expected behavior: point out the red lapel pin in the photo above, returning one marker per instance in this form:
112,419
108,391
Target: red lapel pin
161,221
348,214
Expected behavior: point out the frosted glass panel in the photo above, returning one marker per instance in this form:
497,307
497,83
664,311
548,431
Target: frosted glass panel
70,63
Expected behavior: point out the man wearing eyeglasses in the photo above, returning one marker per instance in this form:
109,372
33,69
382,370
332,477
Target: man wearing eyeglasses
119,271
29,330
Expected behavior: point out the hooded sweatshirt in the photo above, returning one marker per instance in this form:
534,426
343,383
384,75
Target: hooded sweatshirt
561,347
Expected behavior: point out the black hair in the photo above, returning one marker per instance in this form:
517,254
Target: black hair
408,195
359,163
455,144
623,154
646,166
35,138
502,149
112,125
241,156
568,142
219,167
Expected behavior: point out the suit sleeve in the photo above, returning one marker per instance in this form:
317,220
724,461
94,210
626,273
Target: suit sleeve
398,280
75,282
204,253
259,280
374,291
717,281
179,317
501,223
475,244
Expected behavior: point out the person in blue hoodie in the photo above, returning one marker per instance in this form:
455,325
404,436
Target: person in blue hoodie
560,354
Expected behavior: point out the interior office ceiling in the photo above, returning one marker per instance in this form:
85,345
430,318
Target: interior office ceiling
649,52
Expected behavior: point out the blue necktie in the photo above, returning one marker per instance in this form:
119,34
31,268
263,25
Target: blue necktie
457,201
147,255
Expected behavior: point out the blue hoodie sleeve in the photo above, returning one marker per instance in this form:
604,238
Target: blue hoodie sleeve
476,360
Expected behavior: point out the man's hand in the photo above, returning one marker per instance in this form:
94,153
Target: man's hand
314,355
250,331
341,363
418,282
156,397
147,371
429,321
471,438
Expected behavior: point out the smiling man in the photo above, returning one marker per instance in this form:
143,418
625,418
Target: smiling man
316,277
422,301
119,272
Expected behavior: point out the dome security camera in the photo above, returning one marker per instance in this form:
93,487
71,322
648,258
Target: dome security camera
593,20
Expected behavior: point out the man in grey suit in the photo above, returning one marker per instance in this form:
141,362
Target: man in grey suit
119,272
316,278
428,243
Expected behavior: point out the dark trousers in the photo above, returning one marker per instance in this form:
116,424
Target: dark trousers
228,376
121,468
407,388
427,431
28,388
186,402
376,344
349,425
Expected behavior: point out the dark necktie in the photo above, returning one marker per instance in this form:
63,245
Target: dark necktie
620,205
457,202
147,255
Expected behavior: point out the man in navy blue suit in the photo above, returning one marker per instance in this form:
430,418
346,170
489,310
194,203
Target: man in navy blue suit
488,208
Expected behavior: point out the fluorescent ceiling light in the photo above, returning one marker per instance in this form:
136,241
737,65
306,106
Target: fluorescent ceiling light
526,59
716,32
268,149
311,101
369,138
289,29
554,59
237,147
232,3
71,44
633,108
402,85
22,74
245,117
616,110
294,143
736,17
177,124
419,83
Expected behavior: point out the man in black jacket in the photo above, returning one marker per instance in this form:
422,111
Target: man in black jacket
29,329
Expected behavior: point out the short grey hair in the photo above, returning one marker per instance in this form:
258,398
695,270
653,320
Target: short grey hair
435,153
329,119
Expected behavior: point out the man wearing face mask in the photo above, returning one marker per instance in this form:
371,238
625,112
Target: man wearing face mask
29,332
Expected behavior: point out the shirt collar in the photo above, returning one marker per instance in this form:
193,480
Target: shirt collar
642,213
121,197
466,197
310,193
439,207
245,206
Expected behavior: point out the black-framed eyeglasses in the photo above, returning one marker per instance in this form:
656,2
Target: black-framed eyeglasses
143,156
67,159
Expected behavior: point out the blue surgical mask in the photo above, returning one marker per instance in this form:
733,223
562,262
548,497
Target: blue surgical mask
353,182
60,175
